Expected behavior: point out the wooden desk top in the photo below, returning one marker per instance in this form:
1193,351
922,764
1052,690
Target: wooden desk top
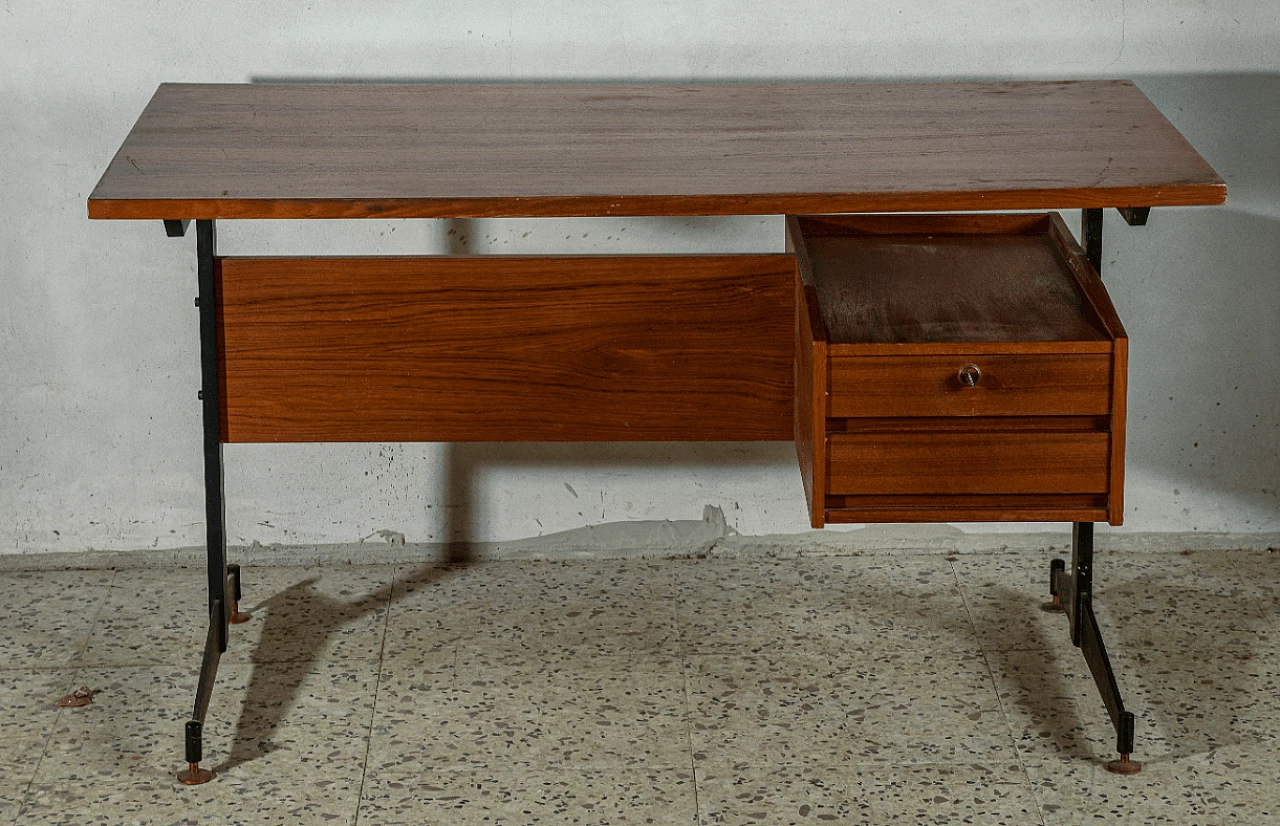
467,150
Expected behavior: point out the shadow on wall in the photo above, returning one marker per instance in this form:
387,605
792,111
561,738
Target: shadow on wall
466,464
1199,290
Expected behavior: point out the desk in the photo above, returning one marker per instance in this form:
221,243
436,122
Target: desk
673,347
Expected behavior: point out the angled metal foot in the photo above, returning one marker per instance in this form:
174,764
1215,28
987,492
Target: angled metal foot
1073,588
237,617
1056,569
215,643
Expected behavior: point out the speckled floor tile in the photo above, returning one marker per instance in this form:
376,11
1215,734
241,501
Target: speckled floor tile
993,795
785,797
1240,784
14,781
1077,792
46,616
873,795
409,796
300,615
151,617
1157,600
29,711
807,709
265,801
431,719
312,614
583,692
499,717
1004,594
1185,701
534,606
1259,575
561,664
1138,598
286,720
828,604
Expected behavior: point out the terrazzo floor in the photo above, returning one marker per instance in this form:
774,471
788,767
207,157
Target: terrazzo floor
911,689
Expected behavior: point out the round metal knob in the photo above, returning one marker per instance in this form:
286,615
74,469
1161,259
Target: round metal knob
969,375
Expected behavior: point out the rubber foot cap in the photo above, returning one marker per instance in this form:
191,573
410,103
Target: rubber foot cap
1053,608
1124,766
194,775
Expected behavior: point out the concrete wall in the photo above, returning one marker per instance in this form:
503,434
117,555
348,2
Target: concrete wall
99,439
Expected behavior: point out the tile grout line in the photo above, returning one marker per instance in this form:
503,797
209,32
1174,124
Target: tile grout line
1263,609
377,686
75,668
991,676
97,616
688,705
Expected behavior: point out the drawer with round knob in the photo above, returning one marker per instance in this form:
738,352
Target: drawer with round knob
971,384
955,368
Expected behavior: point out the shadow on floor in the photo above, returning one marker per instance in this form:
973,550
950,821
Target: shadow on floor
302,621
1199,678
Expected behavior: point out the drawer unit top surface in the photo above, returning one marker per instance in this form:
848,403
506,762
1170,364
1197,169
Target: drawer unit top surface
939,280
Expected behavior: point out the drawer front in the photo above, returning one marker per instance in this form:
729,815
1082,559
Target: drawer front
1075,384
967,463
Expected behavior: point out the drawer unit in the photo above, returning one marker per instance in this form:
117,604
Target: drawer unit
955,368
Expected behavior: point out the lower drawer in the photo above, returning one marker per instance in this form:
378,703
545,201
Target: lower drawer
1023,462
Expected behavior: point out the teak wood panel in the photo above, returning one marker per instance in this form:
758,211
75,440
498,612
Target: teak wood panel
1099,301
497,348
1119,403
961,508
810,412
976,463
811,402
476,150
1010,385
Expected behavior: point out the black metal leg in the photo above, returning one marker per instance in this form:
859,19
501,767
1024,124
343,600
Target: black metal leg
1091,229
219,577
1072,587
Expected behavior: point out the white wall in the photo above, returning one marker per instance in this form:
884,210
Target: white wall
99,438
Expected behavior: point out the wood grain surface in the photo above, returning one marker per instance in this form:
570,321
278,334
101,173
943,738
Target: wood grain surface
474,150
810,410
959,508
967,463
1010,385
504,348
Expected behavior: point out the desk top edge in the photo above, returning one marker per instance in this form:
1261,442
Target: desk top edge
568,150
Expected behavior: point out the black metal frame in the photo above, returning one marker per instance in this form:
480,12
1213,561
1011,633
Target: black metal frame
1072,588
223,579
